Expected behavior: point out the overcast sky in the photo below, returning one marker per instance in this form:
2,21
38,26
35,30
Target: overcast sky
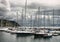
4,6
49,3
42,2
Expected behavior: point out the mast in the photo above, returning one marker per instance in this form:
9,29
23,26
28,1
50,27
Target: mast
31,21
17,19
25,9
22,17
38,16
35,20
44,18
58,21
53,17
1,23
48,19
6,24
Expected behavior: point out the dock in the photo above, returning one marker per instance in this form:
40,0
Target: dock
28,31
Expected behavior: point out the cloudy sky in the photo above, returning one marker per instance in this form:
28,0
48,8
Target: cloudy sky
35,3
42,2
5,7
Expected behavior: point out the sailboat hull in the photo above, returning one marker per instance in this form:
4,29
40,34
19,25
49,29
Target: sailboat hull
42,35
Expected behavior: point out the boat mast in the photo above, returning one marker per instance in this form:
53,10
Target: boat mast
49,19
37,19
1,23
22,17
58,21
17,20
31,21
53,17
44,19
38,16
25,9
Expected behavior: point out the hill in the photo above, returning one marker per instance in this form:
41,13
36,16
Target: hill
8,23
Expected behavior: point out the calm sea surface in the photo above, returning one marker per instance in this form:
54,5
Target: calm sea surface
7,37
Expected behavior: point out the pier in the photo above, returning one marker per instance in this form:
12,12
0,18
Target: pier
30,30
38,32
51,28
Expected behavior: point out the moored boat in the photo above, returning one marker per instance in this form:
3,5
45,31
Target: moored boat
42,33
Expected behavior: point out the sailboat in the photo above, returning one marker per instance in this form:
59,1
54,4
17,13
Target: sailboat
43,32
23,30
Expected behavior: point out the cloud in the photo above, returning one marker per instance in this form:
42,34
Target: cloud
4,8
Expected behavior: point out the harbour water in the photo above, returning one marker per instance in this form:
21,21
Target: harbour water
7,37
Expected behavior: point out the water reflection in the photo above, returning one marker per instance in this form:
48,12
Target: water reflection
23,35
25,39
7,37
